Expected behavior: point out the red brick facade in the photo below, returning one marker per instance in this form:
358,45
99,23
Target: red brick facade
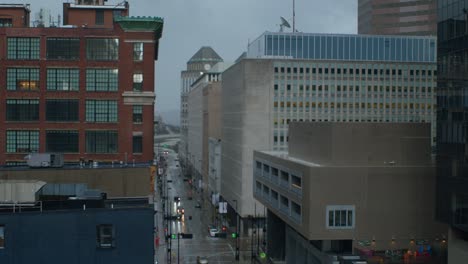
126,68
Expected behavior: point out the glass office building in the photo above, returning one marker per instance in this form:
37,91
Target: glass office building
344,47
452,123
348,78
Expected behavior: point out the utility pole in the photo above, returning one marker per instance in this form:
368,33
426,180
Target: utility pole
294,16
178,248
237,232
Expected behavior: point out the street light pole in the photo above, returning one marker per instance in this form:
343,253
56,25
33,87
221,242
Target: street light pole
237,232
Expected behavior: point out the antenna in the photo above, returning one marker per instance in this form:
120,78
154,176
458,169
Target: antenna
284,23
294,16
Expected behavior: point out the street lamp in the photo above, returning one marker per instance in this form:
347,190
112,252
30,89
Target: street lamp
237,232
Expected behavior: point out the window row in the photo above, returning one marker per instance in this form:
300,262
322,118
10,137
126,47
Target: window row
67,79
279,177
97,49
351,89
279,202
346,47
355,71
67,141
105,236
64,110
354,105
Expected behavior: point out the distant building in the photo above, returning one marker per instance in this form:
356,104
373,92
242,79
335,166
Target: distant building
204,126
396,17
85,89
349,189
452,123
14,15
202,61
77,231
288,77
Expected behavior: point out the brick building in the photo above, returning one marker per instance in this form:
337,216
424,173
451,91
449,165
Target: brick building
85,89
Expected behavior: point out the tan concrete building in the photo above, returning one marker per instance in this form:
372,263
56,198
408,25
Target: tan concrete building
204,124
396,17
349,188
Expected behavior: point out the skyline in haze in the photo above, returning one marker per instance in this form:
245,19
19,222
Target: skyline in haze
226,26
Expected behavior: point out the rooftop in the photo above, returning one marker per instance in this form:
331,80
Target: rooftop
205,54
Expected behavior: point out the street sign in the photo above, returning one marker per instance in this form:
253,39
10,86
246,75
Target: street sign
223,207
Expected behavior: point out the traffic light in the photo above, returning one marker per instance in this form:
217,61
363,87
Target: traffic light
174,236
234,235
262,255
224,228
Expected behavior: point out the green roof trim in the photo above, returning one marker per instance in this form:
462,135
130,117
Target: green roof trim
141,24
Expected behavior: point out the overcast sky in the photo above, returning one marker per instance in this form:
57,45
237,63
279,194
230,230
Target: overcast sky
225,25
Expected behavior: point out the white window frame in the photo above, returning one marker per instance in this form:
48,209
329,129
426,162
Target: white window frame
340,208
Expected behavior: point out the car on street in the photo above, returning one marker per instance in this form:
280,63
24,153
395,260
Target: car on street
213,231
180,210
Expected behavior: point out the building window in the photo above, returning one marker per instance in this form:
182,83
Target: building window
63,79
6,22
99,17
102,49
23,48
340,216
138,51
22,110
259,165
101,141
137,144
296,209
63,48
22,141
105,236
23,79
274,195
65,141
137,113
102,80
258,187
62,110
2,236
296,181
101,111
137,82
284,204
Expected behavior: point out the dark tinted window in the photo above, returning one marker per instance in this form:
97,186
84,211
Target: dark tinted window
62,110
62,141
63,49
102,49
101,141
22,110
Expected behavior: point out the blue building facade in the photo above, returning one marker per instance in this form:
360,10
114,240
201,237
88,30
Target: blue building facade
341,47
91,236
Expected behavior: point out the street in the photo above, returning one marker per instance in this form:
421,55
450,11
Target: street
215,250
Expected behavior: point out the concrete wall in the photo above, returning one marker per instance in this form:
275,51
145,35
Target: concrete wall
246,109
70,237
358,144
118,182
195,128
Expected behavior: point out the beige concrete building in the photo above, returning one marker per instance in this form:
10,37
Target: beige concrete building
204,125
202,61
396,17
349,188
